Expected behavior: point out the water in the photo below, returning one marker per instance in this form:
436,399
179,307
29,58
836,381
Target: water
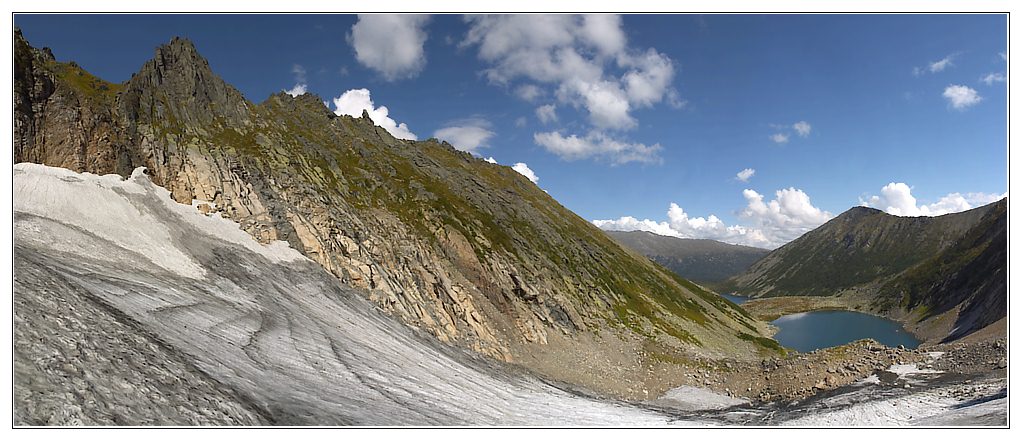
814,330
734,298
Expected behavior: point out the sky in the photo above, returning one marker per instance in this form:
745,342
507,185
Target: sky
749,129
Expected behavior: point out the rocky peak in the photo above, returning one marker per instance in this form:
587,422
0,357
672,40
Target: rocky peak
307,102
179,86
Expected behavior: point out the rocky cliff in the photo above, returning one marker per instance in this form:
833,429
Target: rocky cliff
470,252
945,276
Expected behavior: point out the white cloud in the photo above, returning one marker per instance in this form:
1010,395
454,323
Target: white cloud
897,199
802,128
299,89
992,78
468,135
520,122
1002,54
526,172
786,217
354,101
604,32
528,92
606,102
935,66
585,61
780,138
390,44
745,174
547,113
490,160
649,79
940,65
597,145
300,81
769,224
961,97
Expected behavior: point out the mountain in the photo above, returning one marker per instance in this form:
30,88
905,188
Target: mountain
469,252
131,309
702,260
945,275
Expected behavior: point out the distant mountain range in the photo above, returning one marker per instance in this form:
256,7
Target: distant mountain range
944,276
702,260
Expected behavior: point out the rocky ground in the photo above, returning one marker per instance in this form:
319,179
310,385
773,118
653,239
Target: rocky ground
802,375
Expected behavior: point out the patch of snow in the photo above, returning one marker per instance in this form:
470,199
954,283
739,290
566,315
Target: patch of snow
886,412
869,380
124,212
689,398
935,354
905,370
101,205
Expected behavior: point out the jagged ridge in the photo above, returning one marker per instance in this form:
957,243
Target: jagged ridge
471,252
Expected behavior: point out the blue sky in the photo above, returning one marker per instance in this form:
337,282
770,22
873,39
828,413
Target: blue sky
907,113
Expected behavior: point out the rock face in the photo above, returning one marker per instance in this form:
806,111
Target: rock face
702,260
945,276
470,252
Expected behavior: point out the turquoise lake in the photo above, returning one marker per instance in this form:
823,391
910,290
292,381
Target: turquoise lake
810,331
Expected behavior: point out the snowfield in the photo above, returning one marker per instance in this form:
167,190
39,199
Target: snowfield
269,336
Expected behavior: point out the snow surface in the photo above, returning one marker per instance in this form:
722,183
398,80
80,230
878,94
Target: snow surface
689,398
103,205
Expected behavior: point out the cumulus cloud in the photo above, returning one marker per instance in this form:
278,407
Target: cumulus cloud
390,44
607,103
354,101
547,113
784,218
802,128
467,135
597,145
583,61
961,97
526,172
780,138
745,174
897,199
767,224
300,81
992,78
520,122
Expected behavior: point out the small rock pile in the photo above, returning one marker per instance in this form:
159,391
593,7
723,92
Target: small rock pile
972,358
